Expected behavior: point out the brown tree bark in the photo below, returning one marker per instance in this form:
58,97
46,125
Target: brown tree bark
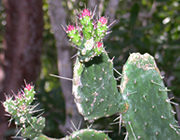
92,4
22,45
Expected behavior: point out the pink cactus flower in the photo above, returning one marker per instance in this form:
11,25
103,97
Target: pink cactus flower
70,28
99,44
28,87
86,12
103,20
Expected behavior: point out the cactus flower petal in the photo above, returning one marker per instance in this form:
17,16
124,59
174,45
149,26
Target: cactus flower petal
70,28
103,20
99,44
86,12
28,87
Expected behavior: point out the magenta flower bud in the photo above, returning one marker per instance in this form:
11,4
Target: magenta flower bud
70,28
103,20
99,44
86,12
28,87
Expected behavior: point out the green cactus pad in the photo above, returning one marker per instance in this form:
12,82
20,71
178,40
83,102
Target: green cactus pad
35,129
95,88
150,115
88,134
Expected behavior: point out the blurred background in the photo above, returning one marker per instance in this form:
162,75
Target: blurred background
33,45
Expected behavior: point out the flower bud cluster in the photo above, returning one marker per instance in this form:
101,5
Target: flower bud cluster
88,35
21,110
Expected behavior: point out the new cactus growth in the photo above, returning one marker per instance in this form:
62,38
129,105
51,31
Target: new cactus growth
142,101
88,35
21,110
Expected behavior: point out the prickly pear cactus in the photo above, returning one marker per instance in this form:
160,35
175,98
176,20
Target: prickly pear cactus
149,115
142,102
94,85
95,88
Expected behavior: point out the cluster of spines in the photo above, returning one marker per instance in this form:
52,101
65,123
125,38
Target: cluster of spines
88,34
20,108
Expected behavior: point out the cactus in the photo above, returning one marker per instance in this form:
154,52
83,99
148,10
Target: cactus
95,88
94,85
31,127
96,94
21,110
150,115
142,101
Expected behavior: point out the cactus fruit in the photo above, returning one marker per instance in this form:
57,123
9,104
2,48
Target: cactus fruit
150,115
21,111
95,88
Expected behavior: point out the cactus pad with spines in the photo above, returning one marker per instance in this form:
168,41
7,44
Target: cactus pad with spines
35,129
88,134
150,115
95,88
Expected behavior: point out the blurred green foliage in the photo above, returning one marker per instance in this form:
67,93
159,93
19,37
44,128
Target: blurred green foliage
145,26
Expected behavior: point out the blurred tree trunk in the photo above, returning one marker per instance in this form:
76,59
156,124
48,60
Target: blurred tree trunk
111,9
58,17
92,4
22,45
